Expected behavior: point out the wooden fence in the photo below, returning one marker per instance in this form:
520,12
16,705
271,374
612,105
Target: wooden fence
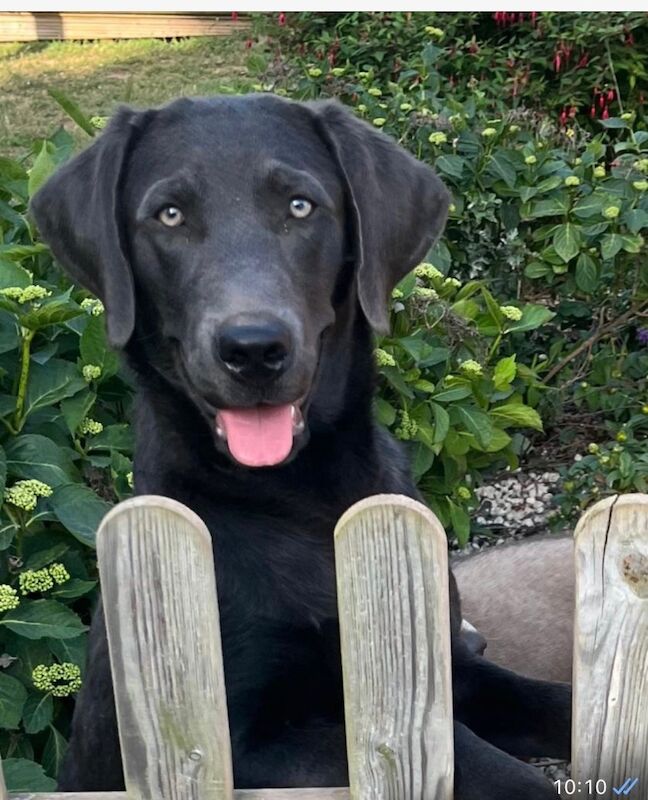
22,26
159,590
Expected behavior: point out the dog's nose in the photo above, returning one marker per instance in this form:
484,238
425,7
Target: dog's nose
255,349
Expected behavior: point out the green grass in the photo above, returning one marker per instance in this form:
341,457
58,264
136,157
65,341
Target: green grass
98,76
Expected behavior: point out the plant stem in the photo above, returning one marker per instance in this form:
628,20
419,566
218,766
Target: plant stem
28,335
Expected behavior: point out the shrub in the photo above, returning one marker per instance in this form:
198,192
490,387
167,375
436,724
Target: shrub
548,208
64,456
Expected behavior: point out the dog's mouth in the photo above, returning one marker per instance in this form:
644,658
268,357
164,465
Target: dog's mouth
261,436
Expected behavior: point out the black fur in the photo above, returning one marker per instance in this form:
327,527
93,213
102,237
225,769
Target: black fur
232,165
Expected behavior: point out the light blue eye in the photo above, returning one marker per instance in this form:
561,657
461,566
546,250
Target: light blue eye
300,207
171,216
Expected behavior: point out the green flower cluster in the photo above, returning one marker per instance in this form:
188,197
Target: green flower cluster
61,680
25,494
130,480
426,293
93,306
91,372
572,180
41,580
511,312
428,271
90,426
438,137
384,359
25,295
408,427
471,368
8,597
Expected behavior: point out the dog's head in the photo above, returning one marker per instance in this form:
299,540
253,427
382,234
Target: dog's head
221,231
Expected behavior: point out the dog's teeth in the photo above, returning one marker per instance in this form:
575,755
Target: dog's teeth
221,432
297,419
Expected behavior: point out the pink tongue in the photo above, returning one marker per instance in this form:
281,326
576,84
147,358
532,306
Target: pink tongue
258,437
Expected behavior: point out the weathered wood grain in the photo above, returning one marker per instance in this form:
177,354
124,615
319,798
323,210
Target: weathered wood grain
392,581
239,794
30,26
159,595
610,727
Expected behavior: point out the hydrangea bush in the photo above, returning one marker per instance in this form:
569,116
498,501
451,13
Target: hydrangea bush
64,457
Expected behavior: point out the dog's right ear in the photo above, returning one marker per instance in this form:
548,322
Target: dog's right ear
77,213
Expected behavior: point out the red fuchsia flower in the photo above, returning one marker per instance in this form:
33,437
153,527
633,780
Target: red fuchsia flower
610,95
248,44
563,117
601,101
234,16
629,40
557,62
583,61
282,18
605,114
593,111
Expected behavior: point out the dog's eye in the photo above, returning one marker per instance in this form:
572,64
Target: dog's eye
171,216
300,207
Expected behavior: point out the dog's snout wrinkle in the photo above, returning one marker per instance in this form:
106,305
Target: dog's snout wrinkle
255,348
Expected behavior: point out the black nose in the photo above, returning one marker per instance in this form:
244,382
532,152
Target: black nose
254,348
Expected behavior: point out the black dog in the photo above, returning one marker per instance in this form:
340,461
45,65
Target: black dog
244,249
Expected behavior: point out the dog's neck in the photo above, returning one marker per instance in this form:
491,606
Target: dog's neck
176,443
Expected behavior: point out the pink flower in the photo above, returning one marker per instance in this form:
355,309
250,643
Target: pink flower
282,18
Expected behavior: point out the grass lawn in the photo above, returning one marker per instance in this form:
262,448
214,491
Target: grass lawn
98,76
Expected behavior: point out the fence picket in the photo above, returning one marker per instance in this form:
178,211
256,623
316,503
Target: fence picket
610,727
159,595
392,578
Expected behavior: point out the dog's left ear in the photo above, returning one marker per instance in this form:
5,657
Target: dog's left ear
77,213
399,204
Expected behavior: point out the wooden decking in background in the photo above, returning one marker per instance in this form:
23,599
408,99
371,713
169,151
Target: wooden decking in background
17,26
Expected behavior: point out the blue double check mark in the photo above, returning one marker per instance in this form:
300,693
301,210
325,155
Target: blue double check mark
626,787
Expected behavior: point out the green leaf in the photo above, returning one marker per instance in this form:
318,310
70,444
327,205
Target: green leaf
114,437
12,700
613,122
22,775
72,650
37,619
73,111
610,245
12,274
422,460
384,411
76,409
502,166
537,269
589,206
73,589
516,415
41,558
94,347
450,165
567,241
51,382
504,373
18,252
9,336
636,219
51,312
533,316
631,244
441,423
36,456
54,752
452,394
3,473
38,712
555,206
474,421
80,510
586,273
44,166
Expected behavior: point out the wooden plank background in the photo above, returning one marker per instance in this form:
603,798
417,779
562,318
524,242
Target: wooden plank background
28,27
